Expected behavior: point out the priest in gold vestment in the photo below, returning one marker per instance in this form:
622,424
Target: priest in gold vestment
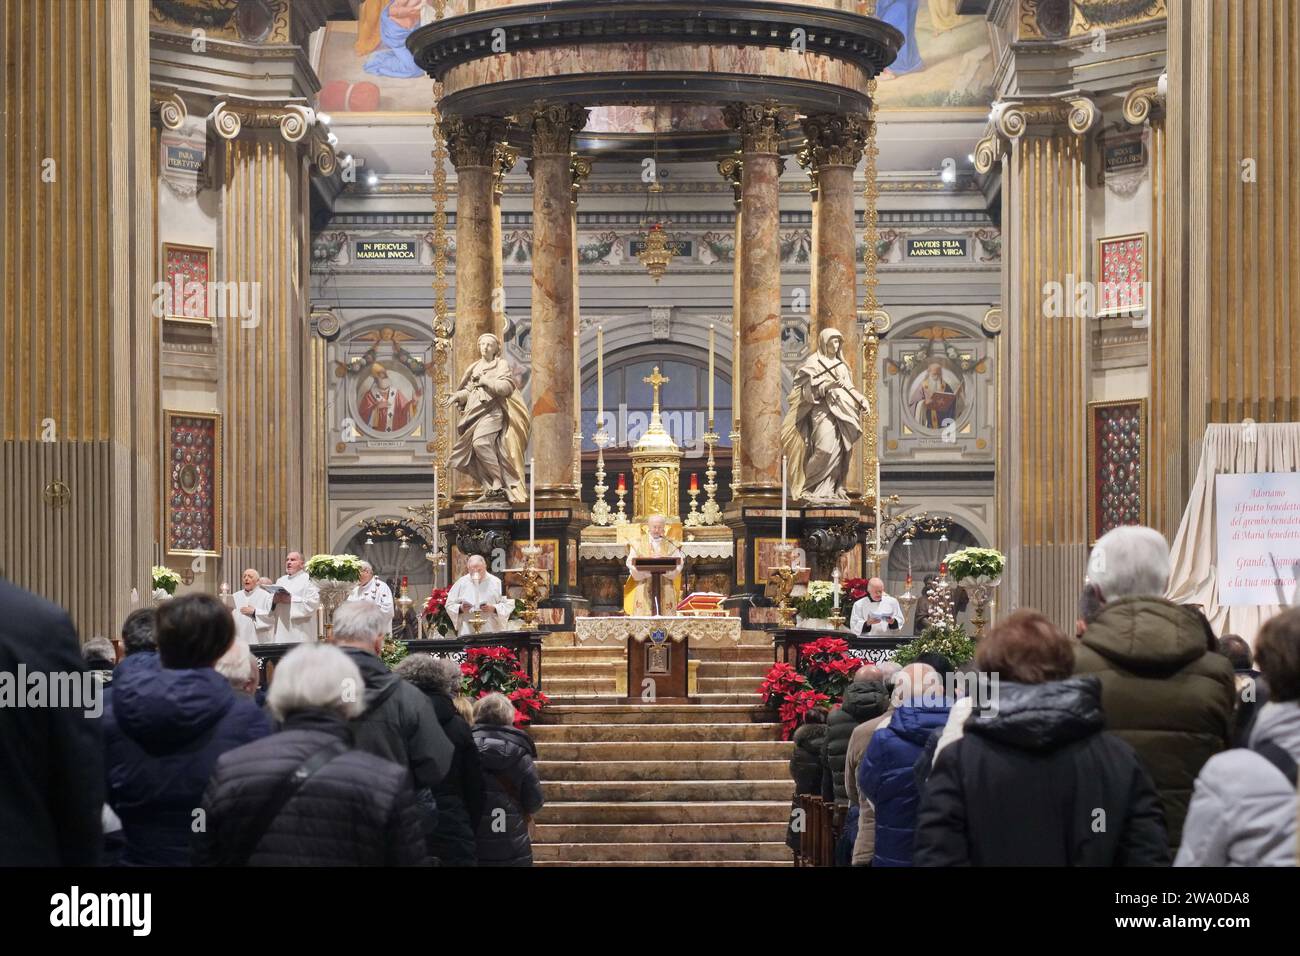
655,543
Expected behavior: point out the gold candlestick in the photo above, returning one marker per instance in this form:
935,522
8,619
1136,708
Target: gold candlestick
710,513
533,578
600,511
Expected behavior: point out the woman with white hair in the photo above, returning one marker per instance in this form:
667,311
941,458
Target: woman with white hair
512,790
306,796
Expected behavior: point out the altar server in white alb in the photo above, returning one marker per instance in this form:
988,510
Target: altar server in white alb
251,608
476,588
372,589
296,606
877,613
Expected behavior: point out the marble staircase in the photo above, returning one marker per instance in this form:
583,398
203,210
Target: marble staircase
660,784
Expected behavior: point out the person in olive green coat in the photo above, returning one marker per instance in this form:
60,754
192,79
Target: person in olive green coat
1162,690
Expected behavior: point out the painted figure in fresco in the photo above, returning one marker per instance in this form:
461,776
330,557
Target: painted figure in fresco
385,407
933,396
383,27
901,14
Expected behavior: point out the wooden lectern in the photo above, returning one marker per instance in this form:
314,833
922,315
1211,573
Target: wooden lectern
657,567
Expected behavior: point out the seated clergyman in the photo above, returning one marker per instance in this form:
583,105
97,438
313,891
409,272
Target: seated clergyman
479,590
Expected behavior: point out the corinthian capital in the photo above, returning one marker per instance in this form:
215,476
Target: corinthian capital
759,125
835,139
552,126
472,140
731,169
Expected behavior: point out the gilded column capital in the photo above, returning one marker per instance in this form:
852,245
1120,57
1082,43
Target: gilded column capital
472,140
988,151
731,169
759,125
806,162
230,117
579,170
552,125
835,139
1143,103
1045,115
504,158
169,106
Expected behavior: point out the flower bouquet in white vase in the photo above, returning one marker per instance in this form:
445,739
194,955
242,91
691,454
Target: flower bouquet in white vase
979,571
334,576
165,583
815,605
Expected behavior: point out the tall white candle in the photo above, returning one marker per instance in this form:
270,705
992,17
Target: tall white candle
600,376
783,497
835,582
710,373
434,548
532,502
577,377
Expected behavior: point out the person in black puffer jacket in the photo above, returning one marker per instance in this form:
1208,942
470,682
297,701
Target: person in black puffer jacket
1036,780
864,699
805,768
512,792
460,795
355,809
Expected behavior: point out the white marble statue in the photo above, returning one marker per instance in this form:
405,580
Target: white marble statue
823,424
492,429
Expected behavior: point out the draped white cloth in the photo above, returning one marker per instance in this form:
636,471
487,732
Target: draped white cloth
1228,449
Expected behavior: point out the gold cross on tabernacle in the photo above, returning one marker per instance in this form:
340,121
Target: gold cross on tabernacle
655,380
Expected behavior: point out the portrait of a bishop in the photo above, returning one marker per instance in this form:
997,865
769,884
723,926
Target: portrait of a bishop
384,407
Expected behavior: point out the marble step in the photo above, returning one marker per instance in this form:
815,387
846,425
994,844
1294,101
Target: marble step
665,750
589,790
728,685
555,771
636,852
576,655
750,698
686,811
722,832
637,732
578,686
756,639
735,652
752,670
588,669
612,713
644,863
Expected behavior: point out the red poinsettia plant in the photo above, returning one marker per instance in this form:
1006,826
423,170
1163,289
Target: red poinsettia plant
435,611
828,664
855,588
797,708
489,670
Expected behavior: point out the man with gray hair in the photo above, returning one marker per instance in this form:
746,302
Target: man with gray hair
371,588
398,722
478,590
239,667
1162,690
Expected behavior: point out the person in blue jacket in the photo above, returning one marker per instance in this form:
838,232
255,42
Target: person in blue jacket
169,717
885,775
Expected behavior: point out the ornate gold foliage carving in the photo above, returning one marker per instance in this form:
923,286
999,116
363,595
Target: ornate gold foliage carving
473,140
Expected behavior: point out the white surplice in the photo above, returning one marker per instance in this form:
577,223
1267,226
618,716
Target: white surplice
887,607
476,593
376,591
259,627
296,621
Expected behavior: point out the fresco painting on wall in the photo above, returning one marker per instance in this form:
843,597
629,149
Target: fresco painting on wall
946,62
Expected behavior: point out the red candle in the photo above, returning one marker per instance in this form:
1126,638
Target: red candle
403,580
695,481
622,484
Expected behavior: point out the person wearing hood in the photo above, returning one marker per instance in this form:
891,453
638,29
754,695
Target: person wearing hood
1243,810
885,775
806,769
512,791
460,794
345,807
1162,691
1034,779
169,717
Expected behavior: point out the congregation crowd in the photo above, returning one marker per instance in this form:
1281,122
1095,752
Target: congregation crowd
341,762
1145,740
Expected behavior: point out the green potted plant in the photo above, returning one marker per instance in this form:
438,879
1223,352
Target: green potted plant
815,604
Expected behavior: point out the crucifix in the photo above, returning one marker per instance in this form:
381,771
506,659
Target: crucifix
655,380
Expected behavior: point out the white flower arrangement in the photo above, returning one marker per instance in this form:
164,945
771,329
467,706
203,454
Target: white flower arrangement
981,565
334,567
165,580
